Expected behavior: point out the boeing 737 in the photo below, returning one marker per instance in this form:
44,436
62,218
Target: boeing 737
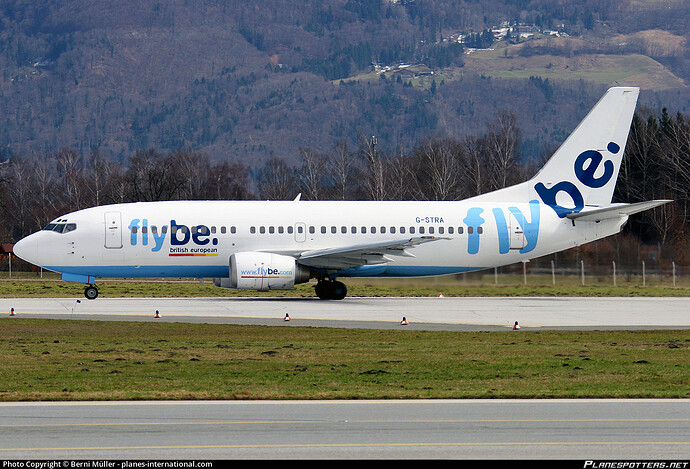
274,245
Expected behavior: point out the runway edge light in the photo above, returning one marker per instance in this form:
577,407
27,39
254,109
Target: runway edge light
404,321
516,326
12,313
157,314
287,317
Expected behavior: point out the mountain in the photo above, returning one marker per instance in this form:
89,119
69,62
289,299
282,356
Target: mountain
247,81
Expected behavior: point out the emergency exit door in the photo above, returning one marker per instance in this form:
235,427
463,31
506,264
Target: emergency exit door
113,230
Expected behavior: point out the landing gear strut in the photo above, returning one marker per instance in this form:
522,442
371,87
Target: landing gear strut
91,292
330,290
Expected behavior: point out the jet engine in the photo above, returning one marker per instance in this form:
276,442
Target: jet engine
263,271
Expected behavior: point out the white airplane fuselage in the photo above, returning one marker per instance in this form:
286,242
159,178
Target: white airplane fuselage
137,240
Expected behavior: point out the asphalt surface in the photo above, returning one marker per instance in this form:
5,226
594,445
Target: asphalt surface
421,313
437,429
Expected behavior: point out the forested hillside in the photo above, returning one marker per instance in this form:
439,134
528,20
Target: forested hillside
149,100
254,80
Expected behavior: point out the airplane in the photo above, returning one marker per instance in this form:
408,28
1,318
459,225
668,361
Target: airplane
274,245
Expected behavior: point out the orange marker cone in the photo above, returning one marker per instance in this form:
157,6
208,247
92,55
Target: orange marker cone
157,314
516,327
403,322
12,312
287,317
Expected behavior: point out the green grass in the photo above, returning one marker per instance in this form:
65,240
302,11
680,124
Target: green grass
480,285
93,360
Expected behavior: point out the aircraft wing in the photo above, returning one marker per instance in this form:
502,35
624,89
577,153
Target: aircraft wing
362,254
615,211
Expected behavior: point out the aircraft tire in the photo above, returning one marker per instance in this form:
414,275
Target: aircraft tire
330,290
91,292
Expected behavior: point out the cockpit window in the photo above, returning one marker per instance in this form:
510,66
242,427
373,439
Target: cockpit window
60,227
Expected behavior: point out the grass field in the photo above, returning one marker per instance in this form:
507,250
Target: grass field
93,360
466,286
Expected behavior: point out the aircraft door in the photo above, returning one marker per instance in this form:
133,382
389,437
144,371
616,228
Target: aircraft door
517,234
300,232
113,230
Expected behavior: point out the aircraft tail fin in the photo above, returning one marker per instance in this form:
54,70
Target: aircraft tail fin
584,170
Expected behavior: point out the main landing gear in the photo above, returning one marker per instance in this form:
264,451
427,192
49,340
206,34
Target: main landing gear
91,292
330,290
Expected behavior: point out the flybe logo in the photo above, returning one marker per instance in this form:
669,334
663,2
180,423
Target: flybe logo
586,175
266,272
184,240
516,231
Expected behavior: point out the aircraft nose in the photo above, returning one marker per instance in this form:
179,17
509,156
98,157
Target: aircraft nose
27,249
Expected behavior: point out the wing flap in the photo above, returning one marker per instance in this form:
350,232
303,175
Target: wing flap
615,211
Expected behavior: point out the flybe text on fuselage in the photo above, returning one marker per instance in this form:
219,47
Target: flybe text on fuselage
183,240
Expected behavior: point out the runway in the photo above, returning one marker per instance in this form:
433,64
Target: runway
493,429
380,313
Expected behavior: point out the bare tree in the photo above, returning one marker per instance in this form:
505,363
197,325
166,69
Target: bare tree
374,177
342,166
277,181
311,174
502,141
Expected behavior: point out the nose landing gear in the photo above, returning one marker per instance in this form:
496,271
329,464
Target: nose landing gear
91,292
330,290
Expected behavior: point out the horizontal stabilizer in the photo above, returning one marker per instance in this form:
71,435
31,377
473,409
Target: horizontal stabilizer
615,211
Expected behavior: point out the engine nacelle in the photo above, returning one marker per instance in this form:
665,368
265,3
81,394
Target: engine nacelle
263,271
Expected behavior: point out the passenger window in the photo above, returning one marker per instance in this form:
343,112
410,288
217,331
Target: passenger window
450,230
312,230
364,230
343,229
280,230
431,230
252,230
412,230
402,230
334,230
353,229
262,229
460,230
470,230
383,230
480,230
421,230
323,230
222,230
233,229
290,230
392,230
